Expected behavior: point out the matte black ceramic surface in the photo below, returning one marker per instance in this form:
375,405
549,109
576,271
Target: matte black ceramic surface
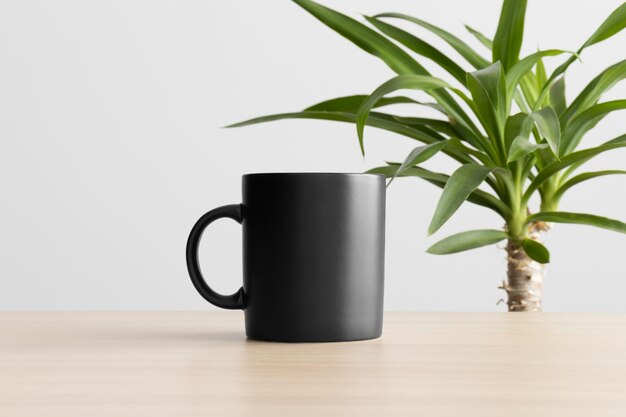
313,256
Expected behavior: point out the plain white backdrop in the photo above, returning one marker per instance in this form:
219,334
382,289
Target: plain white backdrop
112,147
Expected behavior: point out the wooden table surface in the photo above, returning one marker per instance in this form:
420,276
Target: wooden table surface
200,364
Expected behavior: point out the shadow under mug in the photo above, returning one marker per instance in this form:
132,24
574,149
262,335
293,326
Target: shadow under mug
313,256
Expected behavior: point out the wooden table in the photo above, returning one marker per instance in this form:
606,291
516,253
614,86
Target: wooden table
200,364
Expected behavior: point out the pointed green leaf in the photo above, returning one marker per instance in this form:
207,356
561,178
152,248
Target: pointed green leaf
578,218
595,89
478,197
551,80
400,82
488,91
320,115
557,96
442,126
521,147
528,85
488,43
364,37
520,100
571,159
461,47
612,25
586,121
491,79
461,183
508,40
467,240
540,74
519,124
394,56
392,168
584,177
547,123
524,66
352,103
421,47
419,155
414,128
536,251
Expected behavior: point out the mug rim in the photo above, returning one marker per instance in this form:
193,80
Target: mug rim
358,174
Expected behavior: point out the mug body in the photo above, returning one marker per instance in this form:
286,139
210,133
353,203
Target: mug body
313,256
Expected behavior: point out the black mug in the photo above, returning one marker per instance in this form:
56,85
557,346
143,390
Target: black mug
313,256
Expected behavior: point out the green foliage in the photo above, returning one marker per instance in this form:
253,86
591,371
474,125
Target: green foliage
508,123
460,185
578,218
488,43
404,81
536,251
419,155
549,127
522,147
467,240
508,40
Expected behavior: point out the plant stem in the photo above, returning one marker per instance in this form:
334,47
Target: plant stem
524,275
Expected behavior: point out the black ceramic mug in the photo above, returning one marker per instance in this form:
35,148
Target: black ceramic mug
313,256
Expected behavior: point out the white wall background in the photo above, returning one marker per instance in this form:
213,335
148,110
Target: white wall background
110,115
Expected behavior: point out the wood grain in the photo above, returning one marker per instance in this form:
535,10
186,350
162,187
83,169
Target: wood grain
200,364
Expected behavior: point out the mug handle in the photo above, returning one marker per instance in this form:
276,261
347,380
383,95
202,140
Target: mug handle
234,301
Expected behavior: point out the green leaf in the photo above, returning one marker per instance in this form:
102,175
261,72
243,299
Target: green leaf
519,124
491,79
521,147
528,85
547,123
578,218
419,155
470,132
394,56
461,47
570,159
400,82
536,251
467,240
461,183
508,40
442,126
421,47
612,25
364,37
488,91
557,96
478,197
524,66
555,74
586,121
595,89
320,115
584,177
414,128
488,43
352,103
540,73
520,100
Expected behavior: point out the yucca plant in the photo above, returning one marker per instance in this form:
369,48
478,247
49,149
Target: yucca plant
507,122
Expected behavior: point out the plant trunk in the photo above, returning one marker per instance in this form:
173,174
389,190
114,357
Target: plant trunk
524,276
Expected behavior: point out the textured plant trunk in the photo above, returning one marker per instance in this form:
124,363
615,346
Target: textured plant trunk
524,276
